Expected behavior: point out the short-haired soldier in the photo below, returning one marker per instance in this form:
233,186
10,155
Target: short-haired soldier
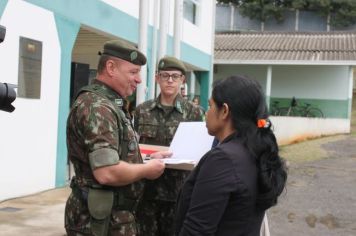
156,121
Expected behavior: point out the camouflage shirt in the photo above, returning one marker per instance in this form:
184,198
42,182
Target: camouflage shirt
93,140
156,125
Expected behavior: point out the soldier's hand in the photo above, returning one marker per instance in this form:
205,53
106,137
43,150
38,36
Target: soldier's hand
154,168
161,155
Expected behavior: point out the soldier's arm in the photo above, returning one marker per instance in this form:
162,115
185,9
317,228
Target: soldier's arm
124,173
98,124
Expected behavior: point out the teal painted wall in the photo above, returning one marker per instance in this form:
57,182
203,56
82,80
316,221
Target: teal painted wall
330,108
324,87
95,14
191,55
203,77
69,16
3,4
102,16
67,34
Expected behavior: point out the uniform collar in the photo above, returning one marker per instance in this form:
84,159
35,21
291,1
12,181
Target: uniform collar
177,104
111,94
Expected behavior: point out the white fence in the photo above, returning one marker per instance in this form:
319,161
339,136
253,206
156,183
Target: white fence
293,129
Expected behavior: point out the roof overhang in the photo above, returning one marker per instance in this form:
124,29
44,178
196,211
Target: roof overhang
279,62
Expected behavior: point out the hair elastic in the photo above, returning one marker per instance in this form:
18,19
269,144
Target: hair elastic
263,123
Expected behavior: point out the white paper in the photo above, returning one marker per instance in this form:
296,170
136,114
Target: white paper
190,142
177,161
173,161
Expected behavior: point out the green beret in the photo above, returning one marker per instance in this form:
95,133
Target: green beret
125,51
169,63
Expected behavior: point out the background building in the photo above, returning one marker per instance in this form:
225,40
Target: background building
303,56
51,49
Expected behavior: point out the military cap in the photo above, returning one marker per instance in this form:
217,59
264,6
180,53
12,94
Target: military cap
169,63
124,50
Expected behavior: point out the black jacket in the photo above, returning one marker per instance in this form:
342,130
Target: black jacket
219,197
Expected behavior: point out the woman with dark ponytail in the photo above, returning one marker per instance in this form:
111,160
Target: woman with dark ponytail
238,180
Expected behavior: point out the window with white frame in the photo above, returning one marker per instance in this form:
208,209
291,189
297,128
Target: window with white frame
191,11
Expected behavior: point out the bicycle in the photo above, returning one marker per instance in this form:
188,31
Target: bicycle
275,109
297,110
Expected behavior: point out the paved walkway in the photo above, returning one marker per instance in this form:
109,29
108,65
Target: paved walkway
320,199
41,214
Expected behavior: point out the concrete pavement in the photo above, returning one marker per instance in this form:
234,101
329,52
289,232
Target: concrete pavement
320,199
41,214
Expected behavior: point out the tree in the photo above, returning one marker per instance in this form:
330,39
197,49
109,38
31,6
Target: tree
344,13
339,12
262,9
236,2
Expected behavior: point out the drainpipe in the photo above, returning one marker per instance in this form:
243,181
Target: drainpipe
163,30
142,46
152,82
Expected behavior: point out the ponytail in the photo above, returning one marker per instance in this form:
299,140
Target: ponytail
249,115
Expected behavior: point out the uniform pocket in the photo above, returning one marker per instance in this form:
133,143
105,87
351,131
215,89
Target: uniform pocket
100,203
148,130
170,129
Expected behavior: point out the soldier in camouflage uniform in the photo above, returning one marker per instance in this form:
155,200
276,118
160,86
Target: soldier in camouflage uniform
103,148
156,122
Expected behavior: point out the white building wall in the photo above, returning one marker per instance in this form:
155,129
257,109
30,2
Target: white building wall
257,72
306,128
318,82
28,135
198,36
130,7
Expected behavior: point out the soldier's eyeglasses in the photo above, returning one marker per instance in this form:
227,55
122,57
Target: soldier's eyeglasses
166,76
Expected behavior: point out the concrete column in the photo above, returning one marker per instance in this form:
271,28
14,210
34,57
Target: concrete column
268,85
296,20
163,30
232,14
351,87
67,33
211,71
192,80
142,46
178,20
152,82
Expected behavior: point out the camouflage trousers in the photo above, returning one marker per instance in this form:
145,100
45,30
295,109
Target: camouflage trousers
77,219
156,218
